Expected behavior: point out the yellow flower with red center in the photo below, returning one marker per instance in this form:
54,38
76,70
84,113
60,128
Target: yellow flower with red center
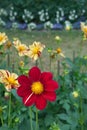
35,50
9,79
84,29
3,38
21,48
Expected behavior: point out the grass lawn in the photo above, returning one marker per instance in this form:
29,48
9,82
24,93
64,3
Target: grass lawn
71,40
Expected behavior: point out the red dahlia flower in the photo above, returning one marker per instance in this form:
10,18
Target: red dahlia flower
37,88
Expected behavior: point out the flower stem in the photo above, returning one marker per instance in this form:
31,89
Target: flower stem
8,60
36,63
81,46
50,64
30,114
2,120
41,64
81,116
9,111
36,119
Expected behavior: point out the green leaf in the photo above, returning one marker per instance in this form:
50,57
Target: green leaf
25,125
49,120
66,106
65,127
5,127
15,95
62,116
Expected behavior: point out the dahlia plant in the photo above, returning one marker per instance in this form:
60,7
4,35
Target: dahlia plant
34,88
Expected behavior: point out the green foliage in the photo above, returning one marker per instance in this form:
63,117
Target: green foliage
69,112
36,5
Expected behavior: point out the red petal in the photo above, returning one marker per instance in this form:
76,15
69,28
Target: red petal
24,81
51,96
51,85
29,99
46,76
40,102
23,91
35,73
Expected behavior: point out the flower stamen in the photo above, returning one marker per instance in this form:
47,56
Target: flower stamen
28,98
37,87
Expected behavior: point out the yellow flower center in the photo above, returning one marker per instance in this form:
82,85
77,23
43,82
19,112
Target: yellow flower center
11,81
58,50
37,87
1,38
36,50
21,48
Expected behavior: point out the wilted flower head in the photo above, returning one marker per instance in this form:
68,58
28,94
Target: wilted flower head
35,50
3,38
59,51
9,79
37,88
21,48
8,44
52,55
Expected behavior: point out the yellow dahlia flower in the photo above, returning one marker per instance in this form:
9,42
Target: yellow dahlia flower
35,50
21,48
9,79
84,29
3,38
59,51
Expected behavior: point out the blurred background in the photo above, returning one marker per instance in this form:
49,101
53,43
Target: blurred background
52,13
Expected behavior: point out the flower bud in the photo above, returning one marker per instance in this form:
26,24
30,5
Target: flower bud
75,94
21,64
6,95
